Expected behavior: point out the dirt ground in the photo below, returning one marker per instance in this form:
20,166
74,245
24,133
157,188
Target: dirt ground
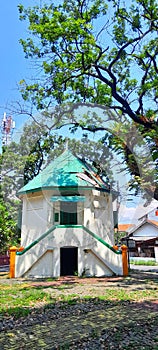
90,324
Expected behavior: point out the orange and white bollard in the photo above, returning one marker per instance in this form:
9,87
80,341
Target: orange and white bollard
124,260
115,247
12,261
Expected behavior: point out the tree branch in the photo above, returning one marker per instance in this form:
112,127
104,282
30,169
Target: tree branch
130,42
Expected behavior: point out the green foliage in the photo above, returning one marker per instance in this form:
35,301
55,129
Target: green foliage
102,52
17,300
9,209
9,233
143,262
23,160
90,58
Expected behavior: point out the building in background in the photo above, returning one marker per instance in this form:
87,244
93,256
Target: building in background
142,239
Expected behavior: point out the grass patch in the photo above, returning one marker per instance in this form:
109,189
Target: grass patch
143,262
121,294
17,299
111,294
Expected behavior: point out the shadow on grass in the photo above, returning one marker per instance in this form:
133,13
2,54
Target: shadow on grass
54,325
136,281
85,305
61,318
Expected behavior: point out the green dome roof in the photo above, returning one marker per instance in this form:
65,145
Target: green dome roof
65,171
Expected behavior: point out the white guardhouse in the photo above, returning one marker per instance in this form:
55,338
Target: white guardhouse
67,223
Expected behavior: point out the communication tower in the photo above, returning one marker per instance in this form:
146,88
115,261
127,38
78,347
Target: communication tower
8,125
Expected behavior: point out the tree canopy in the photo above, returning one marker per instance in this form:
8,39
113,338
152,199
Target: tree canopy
99,52
9,232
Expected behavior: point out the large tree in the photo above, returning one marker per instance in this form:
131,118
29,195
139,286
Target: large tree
23,160
9,231
98,52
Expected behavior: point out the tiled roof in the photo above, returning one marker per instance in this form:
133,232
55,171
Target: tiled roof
129,227
144,222
124,227
65,171
153,222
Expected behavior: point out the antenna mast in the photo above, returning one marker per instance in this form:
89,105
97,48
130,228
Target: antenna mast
8,125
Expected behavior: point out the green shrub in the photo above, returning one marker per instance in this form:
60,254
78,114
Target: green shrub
143,262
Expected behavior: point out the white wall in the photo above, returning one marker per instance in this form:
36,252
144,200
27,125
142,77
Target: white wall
34,218
38,215
156,253
98,215
44,258
146,230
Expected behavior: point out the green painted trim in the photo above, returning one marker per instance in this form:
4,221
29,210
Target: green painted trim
68,226
101,240
74,199
93,235
101,189
51,229
58,188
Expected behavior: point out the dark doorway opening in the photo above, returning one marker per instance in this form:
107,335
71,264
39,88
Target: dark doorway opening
68,261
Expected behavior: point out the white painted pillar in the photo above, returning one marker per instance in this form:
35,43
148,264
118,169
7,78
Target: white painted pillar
156,252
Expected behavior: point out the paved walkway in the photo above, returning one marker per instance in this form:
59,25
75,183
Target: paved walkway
4,268
144,268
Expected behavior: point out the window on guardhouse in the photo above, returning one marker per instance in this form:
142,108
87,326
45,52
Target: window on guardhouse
68,213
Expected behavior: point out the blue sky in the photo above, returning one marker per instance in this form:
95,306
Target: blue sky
13,65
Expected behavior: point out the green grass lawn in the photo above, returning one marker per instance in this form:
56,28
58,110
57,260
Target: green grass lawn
116,313
18,299
144,262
